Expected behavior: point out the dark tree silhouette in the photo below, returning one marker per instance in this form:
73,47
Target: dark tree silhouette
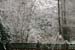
3,37
1,46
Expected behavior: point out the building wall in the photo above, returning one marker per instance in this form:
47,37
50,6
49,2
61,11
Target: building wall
67,9
70,13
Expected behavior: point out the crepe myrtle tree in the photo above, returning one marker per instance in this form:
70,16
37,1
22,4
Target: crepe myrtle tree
4,37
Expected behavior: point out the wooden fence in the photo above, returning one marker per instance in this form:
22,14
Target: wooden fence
31,46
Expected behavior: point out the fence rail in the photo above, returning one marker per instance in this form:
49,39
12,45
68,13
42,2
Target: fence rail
34,46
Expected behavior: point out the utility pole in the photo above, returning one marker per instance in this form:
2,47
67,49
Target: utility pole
59,17
62,19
